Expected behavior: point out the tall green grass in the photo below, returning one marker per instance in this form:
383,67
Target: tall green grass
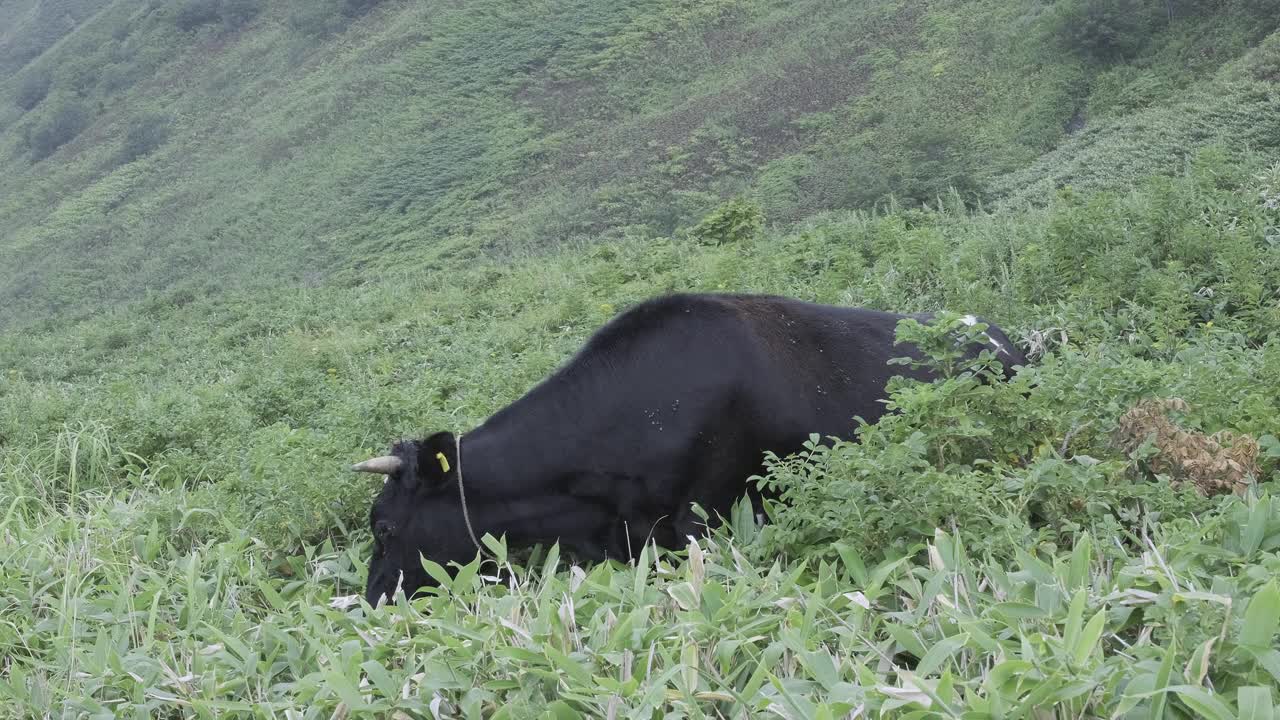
181,537
289,233
105,623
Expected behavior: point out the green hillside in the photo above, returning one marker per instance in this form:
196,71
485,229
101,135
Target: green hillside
243,244
186,147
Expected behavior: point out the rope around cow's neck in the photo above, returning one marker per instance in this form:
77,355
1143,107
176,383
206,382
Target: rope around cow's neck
462,494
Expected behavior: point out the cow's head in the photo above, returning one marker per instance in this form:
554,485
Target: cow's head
417,513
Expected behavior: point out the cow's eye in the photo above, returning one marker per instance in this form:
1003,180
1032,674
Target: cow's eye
383,530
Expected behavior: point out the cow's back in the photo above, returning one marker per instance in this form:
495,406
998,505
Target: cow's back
820,366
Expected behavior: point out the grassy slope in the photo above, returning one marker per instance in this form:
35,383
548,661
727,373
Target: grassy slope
293,155
29,28
160,463
163,462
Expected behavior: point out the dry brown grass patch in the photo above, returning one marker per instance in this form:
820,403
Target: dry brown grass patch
1219,463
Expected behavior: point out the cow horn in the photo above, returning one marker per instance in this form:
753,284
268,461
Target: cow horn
385,465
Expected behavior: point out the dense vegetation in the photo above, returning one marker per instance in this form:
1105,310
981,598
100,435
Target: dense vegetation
246,243
181,147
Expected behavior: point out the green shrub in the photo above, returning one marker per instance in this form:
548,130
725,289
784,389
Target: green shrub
1008,465
1264,62
316,18
1105,30
192,14
356,8
736,221
60,127
285,496
238,13
32,90
145,135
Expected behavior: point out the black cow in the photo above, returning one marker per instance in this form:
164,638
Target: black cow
672,402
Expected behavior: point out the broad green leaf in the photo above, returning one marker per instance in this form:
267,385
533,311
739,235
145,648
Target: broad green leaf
1069,692
1256,530
853,563
1019,611
381,679
497,546
462,581
820,666
561,710
235,645
1261,617
552,561
1198,666
630,629
1089,638
345,689
1159,702
905,637
1075,619
1050,598
945,691
939,653
980,639
437,572
1003,672
761,674
641,573
944,547
798,705
908,694
1041,692
939,693
1180,597
568,666
882,571
1038,570
689,663
278,603
1078,569
1268,659
1203,703
1255,703
684,595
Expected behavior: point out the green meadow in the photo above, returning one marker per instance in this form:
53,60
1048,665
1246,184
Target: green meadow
245,243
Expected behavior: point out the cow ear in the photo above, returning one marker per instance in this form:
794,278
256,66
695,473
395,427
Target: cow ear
437,457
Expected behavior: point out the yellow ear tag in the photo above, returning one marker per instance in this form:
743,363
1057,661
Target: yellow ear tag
444,462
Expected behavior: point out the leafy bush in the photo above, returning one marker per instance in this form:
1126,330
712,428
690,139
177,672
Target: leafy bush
1105,30
356,8
232,14
192,14
238,13
33,89
1264,61
282,498
734,222
317,18
60,127
145,135
1002,463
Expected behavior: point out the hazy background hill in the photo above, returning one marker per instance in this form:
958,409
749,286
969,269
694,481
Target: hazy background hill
177,148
